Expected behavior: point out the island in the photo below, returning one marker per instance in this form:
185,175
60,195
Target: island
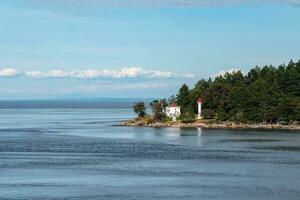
266,97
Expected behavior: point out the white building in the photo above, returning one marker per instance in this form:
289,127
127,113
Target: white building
200,101
173,111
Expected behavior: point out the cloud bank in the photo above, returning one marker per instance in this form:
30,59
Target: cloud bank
124,73
223,72
8,72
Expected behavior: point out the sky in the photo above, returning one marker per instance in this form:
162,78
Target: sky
137,48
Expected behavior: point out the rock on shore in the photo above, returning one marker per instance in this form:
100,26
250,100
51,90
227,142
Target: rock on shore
203,124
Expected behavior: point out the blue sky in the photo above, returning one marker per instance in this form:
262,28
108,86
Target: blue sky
131,48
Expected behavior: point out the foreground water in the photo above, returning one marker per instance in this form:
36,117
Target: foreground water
81,154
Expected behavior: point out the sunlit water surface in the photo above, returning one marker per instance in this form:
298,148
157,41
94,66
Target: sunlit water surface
82,154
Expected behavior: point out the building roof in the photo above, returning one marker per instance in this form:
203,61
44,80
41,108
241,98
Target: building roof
173,105
200,100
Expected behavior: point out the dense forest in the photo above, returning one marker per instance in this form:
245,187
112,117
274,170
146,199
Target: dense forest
265,94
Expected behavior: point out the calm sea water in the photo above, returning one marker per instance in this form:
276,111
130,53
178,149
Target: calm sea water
79,153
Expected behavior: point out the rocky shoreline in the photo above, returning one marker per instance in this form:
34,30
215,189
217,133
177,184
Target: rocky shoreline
209,125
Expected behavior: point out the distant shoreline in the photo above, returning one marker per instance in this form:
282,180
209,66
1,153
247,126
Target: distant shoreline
221,125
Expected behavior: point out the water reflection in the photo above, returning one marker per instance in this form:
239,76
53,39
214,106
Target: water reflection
199,131
184,136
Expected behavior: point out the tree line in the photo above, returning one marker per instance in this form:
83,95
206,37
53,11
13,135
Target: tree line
265,94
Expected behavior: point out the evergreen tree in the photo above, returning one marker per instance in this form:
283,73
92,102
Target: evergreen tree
157,110
183,99
265,94
140,109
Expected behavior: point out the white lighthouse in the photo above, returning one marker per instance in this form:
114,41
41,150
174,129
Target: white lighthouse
199,101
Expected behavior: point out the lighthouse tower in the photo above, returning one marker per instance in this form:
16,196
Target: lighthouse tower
200,101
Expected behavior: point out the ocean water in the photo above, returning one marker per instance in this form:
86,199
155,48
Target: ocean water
79,153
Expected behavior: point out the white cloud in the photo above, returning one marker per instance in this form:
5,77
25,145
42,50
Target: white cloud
8,72
124,73
223,72
56,74
49,74
34,74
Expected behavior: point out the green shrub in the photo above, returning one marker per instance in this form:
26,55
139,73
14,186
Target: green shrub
188,121
208,113
187,117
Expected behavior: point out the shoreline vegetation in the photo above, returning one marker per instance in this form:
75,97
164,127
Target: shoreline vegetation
264,98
